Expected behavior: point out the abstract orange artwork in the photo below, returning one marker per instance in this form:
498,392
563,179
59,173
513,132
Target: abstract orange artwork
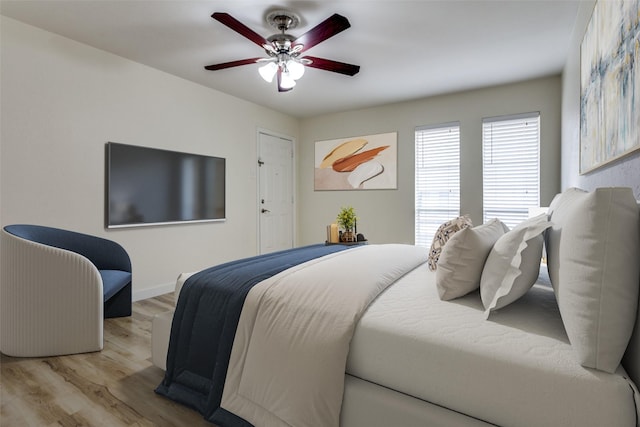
358,163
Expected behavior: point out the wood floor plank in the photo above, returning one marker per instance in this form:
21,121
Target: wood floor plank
113,387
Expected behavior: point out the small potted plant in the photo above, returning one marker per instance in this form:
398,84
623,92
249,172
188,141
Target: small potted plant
347,220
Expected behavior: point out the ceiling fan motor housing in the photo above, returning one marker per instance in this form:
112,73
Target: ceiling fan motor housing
281,42
282,20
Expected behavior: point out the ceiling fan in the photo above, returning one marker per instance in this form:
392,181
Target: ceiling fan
284,50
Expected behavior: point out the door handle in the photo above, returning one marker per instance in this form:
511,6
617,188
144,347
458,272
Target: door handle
265,210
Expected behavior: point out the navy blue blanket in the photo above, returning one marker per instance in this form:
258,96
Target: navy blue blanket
205,321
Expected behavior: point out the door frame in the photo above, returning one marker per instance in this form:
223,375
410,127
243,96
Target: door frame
294,189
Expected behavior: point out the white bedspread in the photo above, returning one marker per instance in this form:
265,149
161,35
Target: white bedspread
290,350
515,369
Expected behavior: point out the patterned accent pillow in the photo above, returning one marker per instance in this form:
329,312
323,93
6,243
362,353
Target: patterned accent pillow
444,233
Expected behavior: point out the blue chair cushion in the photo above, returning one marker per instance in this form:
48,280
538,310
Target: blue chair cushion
113,281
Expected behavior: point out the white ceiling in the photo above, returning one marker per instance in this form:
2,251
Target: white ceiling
406,49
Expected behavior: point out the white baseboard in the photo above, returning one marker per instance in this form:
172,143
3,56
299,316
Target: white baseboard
153,292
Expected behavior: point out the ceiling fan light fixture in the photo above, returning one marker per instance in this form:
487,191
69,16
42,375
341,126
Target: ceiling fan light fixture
286,81
295,68
268,71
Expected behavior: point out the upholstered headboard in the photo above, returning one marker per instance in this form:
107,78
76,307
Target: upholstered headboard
631,361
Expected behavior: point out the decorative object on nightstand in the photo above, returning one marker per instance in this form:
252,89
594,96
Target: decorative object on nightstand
345,230
332,233
347,221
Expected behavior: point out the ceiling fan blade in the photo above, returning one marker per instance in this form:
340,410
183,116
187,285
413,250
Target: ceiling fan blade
280,88
239,28
335,66
231,64
326,29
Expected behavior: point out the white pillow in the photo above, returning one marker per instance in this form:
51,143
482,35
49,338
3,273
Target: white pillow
593,249
513,264
462,259
444,233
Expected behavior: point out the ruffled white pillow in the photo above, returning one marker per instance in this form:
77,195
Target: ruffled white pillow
513,264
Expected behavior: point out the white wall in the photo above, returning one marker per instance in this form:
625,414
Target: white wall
388,215
624,172
62,101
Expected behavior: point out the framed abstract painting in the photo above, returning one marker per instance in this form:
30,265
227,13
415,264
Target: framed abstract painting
610,84
366,162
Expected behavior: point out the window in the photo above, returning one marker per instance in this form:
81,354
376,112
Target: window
511,167
437,180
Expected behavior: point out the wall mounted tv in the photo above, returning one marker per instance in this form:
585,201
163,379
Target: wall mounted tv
148,186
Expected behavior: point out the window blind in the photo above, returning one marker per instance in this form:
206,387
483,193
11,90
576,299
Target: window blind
437,179
511,167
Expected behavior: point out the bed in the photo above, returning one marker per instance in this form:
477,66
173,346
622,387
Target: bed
565,351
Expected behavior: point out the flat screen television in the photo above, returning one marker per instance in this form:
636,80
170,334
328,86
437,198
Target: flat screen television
149,186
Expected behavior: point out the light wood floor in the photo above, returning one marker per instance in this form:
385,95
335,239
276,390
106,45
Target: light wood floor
113,387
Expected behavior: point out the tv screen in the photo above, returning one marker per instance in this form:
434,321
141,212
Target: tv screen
149,186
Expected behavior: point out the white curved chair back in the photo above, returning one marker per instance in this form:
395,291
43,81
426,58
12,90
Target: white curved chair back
51,300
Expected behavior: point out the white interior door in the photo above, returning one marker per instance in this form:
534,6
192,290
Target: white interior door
275,195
